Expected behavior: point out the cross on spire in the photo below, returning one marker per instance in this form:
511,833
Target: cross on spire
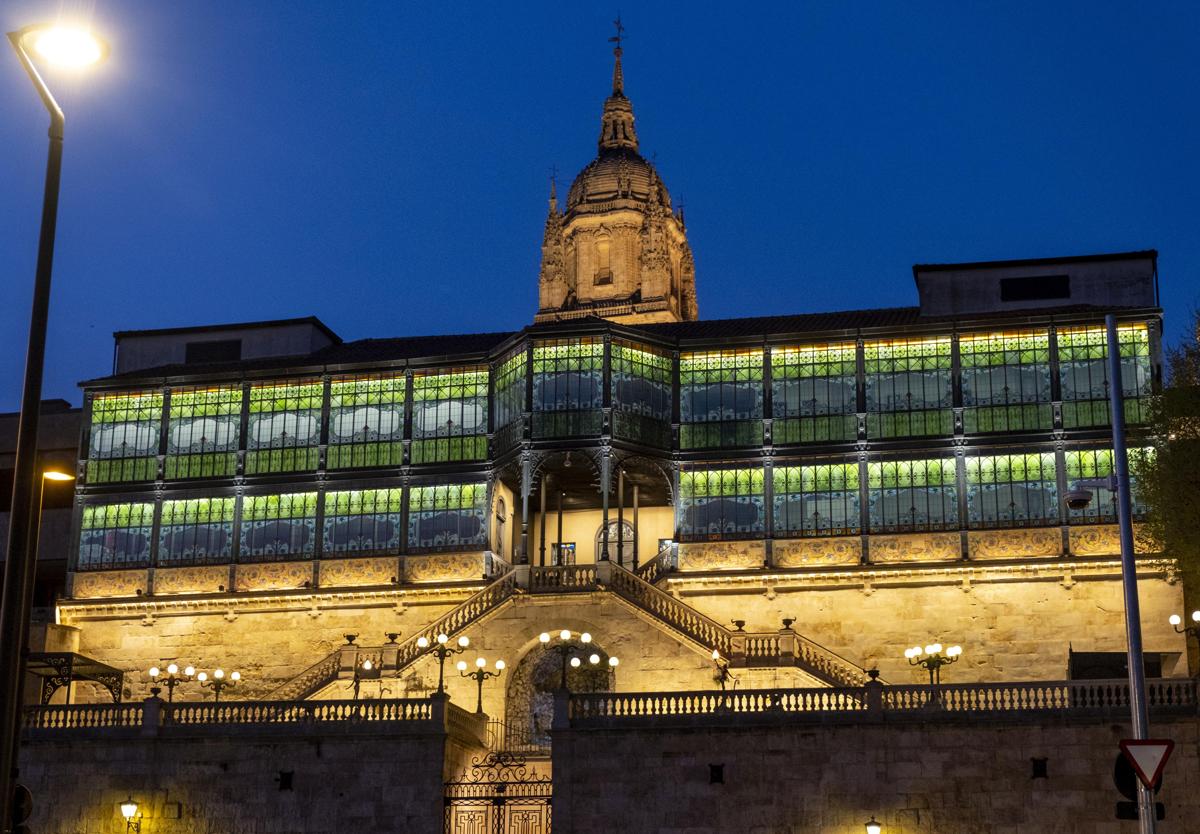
619,36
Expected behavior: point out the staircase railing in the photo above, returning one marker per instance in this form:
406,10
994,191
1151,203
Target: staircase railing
740,648
664,562
562,578
325,671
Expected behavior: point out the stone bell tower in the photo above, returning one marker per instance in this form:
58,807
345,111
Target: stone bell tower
618,250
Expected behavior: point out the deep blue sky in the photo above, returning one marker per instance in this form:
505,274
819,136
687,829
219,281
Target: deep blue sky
384,165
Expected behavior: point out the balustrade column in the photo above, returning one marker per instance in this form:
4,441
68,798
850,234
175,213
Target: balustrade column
621,515
542,524
635,526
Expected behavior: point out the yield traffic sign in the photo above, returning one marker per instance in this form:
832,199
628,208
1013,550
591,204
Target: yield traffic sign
1148,756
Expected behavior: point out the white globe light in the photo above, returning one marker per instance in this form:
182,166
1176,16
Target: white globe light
422,642
202,677
500,665
612,661
954,651
442,638
237,676
575,663
1173,620
544,637
564,634
464,641
593,659
480,662
1196,616
154,673
462,665
585,637
172,668
189,671
219,673
367,665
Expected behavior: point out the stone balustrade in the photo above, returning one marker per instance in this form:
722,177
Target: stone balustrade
874,701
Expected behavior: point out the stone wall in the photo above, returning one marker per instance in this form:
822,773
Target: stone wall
378,780
813,779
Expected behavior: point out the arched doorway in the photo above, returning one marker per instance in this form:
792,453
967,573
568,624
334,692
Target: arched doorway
620,542
529,693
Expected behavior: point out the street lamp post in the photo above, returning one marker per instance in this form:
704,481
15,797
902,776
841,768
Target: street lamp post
60,47
932,659
441,651
1077,498
479,676
173,678
565,648
219,682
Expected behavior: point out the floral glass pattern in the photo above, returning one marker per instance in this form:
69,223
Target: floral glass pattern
203,432
1095,464
124,437
1006,381
909,387
362,522
814,393
820,500
447,517
722,504
284,429
449,419
278,527
641,393
196,531
1083,373
721,399
912,495
115,536
1012,490
366,421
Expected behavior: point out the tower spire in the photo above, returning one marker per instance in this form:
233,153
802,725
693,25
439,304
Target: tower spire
618,75
616,124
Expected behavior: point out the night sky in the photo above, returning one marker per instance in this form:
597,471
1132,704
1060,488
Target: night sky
384,165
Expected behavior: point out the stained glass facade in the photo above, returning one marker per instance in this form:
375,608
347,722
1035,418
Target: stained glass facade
641,393
722,504
196,531
124,437
720,399
907,496
115,536
814,393
450,415
509,397
1083,374
909,387
363,522
203,432
820,500
1012,490
447,517
366,421
1006,381
1098,464
568,387
284,428
278,527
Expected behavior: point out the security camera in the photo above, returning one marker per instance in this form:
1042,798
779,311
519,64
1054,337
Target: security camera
1078,499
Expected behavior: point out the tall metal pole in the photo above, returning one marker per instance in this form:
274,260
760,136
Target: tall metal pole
1133,619
16,602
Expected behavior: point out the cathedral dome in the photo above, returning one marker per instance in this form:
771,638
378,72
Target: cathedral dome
617,177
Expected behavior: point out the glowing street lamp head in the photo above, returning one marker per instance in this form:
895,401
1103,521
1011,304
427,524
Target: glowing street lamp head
499,665
66,47
189,671
422,642
461,665
464,641
954,651
1175,619
1196,616
202,677
237,676
480,662
585,637
57,475
154,673
933,648
544,637
219,674
564,634
129,809
612,661
442,638
593,659
574,663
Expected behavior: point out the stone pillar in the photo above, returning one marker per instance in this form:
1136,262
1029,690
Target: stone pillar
542,523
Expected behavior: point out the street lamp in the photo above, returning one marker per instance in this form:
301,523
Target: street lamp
368,670
173,678
721,673
1077,498
441,651
219,682
873,826
479,676
1192,630
932,659
565,649
55,48
133,820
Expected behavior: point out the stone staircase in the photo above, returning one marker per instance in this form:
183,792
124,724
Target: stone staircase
741,649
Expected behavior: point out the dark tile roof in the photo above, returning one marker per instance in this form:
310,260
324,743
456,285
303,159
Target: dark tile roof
469,345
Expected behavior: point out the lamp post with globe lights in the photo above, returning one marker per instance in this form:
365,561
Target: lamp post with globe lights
932,659
64,48
441,649
219,682
565,649
173,678
479,675
1192,630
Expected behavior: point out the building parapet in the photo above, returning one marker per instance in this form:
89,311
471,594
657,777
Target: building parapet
874,702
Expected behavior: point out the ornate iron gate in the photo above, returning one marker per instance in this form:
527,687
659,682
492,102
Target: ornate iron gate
498,795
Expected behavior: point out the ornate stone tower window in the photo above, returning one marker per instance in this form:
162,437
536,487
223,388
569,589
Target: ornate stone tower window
603,261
